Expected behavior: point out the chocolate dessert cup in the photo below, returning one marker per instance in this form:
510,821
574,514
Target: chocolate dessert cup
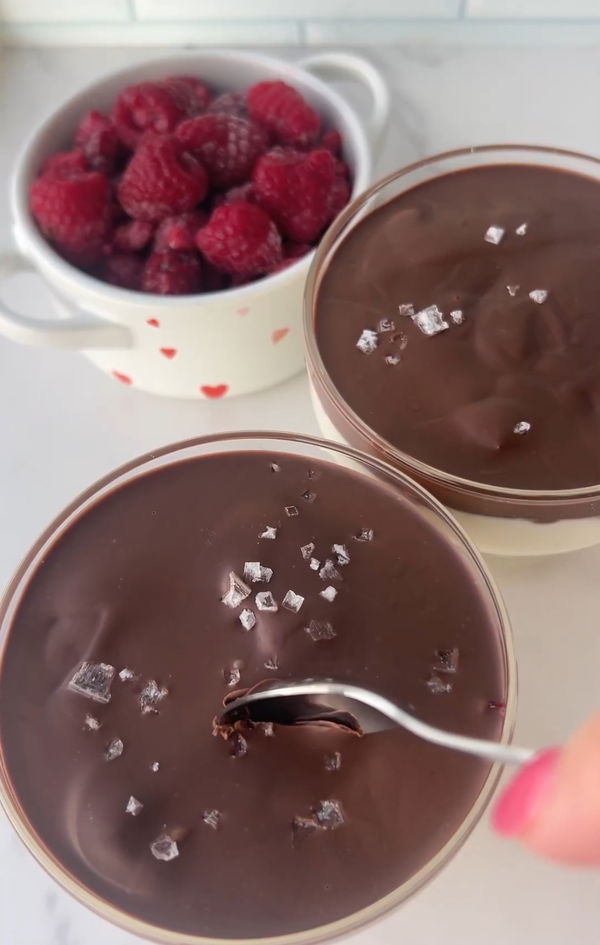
451,329
191,572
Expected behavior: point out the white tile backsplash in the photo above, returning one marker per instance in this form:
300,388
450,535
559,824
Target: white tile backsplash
64,11
299,22
297,9
534,9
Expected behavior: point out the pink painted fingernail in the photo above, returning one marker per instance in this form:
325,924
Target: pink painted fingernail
521,799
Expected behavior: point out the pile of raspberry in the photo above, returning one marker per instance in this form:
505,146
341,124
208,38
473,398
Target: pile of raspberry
177,191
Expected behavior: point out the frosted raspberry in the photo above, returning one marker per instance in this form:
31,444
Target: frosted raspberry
97,137
172,273
132,236
230,103
73,213
64,164
189,94
179,232
227,146
144,107
332,141
302,191
161,179
282,110
124,270
241,239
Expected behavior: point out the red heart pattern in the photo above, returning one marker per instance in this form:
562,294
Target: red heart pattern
279,334
154,322
123,378
214,391
168,352
243,310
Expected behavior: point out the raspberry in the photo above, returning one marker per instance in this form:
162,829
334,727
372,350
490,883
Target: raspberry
241,239
98,139
243,192
64,164
132,236
179,232
144,107
124,270
227,146
73,213
171,273
161,179
302,192
331,141
282,110
292,252
189,94
229,103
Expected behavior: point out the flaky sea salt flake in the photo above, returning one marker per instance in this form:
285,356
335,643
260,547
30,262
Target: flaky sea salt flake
385,325
126,674
275,467
522,427
292,602
238,745
392,360
237,592
212,818
320,630
114,749
93,680
407,309
457,316
368,341
232,674
512,290
307,550
269,532
91,723
134,807
329,593
333,761
446,661
247,619
365,534
342,554
494,234
291,511
521,230
267,729
256,573
164,848
329,814
314,564
438,686
538,295
266,602
430,320
329,572
272,664
151,695
155,766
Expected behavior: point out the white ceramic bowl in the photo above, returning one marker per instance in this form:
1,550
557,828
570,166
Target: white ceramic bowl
213,345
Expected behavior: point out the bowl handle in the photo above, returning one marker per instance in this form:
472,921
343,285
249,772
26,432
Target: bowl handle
74,332
335,64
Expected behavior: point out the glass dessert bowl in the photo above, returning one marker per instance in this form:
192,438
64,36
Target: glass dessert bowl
451,330
145,613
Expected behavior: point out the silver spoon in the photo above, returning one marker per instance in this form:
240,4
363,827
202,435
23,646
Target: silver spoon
358,709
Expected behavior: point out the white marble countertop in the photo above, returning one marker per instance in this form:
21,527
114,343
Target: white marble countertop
63,424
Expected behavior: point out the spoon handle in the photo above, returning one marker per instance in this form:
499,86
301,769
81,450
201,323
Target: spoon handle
492,751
